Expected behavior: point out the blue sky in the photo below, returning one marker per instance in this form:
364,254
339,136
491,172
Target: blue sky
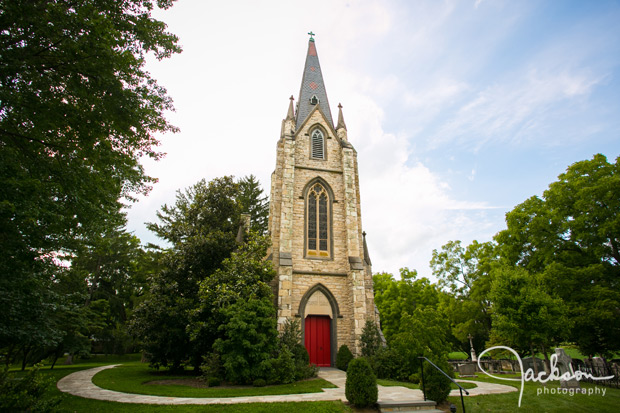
459,110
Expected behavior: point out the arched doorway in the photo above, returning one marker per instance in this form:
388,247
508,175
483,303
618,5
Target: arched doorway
319,311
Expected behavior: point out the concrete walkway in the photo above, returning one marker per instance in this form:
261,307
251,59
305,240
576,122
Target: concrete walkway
80,384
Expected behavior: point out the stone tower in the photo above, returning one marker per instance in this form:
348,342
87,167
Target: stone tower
319,251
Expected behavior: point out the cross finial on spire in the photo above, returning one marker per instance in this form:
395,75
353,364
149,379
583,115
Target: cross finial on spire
311,34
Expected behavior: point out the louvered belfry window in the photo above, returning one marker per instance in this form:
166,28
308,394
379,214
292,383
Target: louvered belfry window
318,222
318,145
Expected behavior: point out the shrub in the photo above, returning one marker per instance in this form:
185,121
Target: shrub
414,378
285,366
212,366
436,385
389,363
213,382
370,339
303,368
249,338
29,393
343,357
291,333
259,383
361,385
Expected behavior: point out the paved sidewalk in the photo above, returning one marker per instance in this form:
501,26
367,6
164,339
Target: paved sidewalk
80,384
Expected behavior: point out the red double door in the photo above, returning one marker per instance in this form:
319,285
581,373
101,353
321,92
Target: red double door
317,339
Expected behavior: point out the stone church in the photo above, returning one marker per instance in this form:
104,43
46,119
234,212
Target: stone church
319,251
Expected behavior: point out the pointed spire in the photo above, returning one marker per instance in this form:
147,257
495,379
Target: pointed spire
291,112
366,255
341,123
312,90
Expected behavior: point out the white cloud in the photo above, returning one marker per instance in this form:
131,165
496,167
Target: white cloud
407,210
513,112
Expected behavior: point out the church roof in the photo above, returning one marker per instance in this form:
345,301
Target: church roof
312,88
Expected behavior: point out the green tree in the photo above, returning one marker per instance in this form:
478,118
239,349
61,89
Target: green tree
254,203
466,272
571,235
395,298
525,316
200,278
77,112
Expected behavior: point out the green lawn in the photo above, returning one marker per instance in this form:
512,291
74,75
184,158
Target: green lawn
531,401
538,398
409,385
136,378
78,404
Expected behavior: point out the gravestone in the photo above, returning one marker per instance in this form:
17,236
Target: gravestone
528,363
506,365
598,365
467,370
563,363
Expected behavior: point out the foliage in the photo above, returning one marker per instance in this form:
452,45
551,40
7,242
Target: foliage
201,226
395,298
370,339
254,203
388,363
31,392
570,236
249,338
77,113
343,357
291,333
290,338
525,316
436,385
361,385
213,381
466,272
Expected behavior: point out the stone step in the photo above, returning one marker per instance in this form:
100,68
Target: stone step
404,406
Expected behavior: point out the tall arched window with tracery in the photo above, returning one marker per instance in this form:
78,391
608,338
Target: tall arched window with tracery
317,213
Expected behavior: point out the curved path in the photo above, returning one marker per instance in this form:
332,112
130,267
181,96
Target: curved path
81,384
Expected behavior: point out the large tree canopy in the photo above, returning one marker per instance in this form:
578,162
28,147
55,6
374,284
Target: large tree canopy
572,236
77,112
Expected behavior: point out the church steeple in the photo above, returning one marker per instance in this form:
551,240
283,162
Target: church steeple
312,91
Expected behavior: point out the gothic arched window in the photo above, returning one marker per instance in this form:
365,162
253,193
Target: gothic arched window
317,145
318,214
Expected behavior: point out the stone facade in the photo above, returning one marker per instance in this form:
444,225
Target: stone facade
344,278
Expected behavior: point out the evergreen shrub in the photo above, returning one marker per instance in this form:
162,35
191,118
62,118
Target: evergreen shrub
361,385
370,339
436,385
343,357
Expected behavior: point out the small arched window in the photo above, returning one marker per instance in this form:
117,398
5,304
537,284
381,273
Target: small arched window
317,145
317,214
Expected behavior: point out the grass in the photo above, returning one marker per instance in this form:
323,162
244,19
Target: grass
535,398
388,383
78,404
135,378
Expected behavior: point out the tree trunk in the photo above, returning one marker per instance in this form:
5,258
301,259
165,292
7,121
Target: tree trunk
25,351
547,361
534,360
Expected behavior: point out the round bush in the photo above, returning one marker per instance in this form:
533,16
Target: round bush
361,385
343,357
259,383
213,382
437,385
